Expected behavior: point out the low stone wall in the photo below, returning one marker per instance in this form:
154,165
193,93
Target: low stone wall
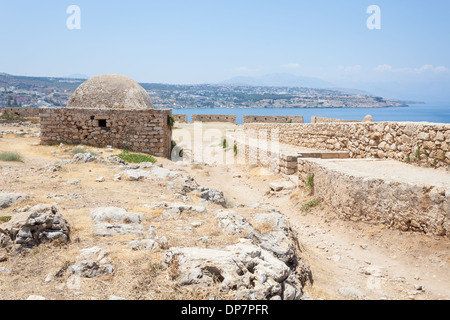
2,121
263,153
145,131
213,118
315,119
250,153
403,206
22,112
273,119
180,117
420,143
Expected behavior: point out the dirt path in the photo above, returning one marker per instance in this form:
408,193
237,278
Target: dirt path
349,260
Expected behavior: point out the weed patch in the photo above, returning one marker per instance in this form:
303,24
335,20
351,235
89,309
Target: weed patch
10,157
135,157
311,204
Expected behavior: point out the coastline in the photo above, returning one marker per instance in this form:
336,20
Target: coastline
427,112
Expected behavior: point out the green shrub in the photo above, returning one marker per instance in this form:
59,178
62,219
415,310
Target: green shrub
311,204
309,181
224,144
135,157
170,121
10,156
79,150
417,153
5,218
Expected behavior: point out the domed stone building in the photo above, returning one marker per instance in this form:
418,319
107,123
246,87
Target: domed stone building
110,91
111,110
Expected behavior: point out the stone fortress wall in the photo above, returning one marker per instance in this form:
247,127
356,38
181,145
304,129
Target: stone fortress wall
144,131
315,119
180,117
273,119
22,112
400,203
233,118
395,199
214,118
424,143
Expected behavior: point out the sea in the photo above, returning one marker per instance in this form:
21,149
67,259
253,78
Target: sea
437,112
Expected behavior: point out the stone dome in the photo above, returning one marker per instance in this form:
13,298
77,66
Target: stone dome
368,118
110,91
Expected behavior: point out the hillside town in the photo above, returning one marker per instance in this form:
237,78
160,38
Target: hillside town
41,92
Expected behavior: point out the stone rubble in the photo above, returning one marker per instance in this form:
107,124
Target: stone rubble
7,199
92,262
248,270
33,226
109,221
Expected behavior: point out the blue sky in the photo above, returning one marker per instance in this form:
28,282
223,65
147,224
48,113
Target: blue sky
199,41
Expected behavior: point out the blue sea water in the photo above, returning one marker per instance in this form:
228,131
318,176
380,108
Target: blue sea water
429,112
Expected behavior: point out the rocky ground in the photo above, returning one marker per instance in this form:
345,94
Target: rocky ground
89,226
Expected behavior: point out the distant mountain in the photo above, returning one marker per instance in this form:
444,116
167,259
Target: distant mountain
38,83
279,80
412,90
78,76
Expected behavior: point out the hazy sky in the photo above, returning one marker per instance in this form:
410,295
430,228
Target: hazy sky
199,41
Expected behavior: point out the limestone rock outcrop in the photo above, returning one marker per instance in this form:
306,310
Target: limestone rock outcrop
250,271
33,226
9,198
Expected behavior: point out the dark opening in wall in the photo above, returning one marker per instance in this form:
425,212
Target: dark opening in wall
102,123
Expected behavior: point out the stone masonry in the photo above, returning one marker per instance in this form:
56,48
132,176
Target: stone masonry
315,119
180,117
145,130
401,204
214,118
424,143
21,111
273,119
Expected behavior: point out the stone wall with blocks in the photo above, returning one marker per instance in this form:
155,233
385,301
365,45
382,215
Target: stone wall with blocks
145,131
214,118
360,196
180,117
273,119
425,144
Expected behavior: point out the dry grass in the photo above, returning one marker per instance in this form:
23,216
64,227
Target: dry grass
137,274
263,227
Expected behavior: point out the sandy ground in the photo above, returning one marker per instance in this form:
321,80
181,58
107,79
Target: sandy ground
348,260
